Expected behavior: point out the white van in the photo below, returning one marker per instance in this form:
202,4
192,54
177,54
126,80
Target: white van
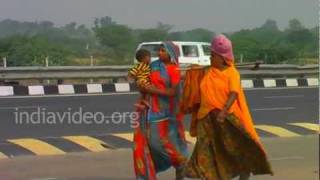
190,52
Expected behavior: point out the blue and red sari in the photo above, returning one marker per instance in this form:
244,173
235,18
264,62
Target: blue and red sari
160,142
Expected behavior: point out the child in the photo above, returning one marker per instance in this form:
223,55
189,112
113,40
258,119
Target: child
140,73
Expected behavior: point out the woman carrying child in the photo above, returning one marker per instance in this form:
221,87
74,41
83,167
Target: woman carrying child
161,143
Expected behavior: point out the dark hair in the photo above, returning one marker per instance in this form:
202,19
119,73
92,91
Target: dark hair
141,53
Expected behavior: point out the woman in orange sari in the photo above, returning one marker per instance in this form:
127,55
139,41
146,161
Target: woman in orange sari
227,143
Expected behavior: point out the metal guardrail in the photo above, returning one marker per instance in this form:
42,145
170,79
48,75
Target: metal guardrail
63,72
112,72
280,71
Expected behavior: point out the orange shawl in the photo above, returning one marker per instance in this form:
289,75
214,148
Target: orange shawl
191,89
191,95
215,88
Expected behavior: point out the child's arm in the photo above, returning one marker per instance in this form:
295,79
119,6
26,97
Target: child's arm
130,77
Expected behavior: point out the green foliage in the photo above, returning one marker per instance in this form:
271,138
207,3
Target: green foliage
118,39
271,45
28,51
29,43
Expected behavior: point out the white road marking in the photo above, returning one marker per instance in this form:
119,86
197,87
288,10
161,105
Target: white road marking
20,107
277,97
275,109
287,158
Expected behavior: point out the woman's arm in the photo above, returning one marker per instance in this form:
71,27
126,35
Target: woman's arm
150,89
174,75
235,88
156,91
231,99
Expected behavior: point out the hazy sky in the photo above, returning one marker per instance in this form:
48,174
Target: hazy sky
216,15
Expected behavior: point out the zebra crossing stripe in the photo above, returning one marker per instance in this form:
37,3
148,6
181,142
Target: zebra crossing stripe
279,131
3,156
126,136
310,126
90,143
38,147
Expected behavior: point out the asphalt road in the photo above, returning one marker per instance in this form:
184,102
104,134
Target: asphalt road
268,106
289,158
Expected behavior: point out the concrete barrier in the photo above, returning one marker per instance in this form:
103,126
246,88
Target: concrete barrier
94,88
122,87
313,81
269,83
36,90
6,91
127,87
66,89
292,82
247,83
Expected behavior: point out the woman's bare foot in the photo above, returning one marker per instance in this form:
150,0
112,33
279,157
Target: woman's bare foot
180,173
244,176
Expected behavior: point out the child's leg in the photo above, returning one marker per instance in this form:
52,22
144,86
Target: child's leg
145,100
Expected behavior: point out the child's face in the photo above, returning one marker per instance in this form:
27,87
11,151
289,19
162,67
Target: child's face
146,59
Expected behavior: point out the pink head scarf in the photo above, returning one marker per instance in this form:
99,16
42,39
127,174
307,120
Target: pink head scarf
223,47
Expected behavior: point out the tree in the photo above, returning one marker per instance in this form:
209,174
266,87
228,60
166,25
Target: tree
46,24
117,38
270,25
83,30
300,38
103,22
295,25
28,43
245,46
31,51
70,28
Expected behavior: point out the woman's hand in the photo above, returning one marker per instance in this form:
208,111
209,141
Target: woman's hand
157,91
222,116
224,112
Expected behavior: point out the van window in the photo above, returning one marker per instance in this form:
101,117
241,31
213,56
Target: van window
190,51
206,50
153,48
